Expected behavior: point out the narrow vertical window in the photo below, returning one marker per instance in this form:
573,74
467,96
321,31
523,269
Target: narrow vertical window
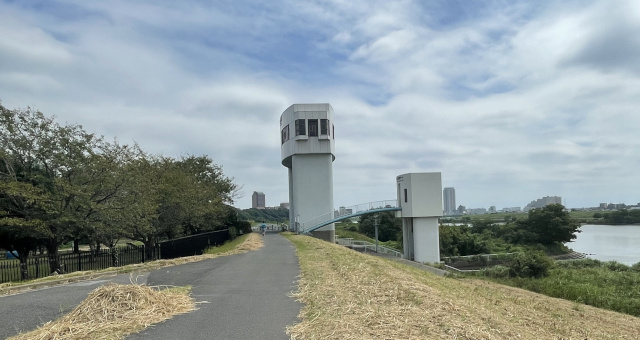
333,132
285,134
405,195
313,128
324,126
300,127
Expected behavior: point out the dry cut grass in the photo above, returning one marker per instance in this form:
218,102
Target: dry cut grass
114,311
349,295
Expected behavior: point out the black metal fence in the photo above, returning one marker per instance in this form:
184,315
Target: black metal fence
40,265
194,244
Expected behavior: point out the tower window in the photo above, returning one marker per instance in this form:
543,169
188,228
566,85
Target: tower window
313,128
300,127
324,126
285,134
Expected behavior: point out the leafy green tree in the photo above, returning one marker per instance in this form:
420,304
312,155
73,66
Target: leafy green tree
389,228
549,225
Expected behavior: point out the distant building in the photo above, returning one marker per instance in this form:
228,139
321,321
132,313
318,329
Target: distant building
342,211
284,205
476,211
542,202
493,210
512,209
257,200
461,209
449,201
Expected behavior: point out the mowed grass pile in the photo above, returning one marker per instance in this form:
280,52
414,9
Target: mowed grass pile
349,295
114,311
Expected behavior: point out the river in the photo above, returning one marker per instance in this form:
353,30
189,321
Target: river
609,242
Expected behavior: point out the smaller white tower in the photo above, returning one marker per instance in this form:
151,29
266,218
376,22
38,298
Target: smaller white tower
420,198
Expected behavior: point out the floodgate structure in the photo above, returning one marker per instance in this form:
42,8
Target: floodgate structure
308,151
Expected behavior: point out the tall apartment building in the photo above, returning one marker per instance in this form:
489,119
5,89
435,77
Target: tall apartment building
542,202
449,200
257,200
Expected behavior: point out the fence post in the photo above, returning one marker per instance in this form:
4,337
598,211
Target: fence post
79,261
37,263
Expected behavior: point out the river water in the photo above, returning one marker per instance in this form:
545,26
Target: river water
609,242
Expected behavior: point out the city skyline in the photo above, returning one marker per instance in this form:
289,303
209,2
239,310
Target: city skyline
510,101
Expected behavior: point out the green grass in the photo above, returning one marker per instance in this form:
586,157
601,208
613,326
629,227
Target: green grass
342,231
227,246
608,285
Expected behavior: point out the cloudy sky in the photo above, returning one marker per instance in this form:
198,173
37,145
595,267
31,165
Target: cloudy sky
510,100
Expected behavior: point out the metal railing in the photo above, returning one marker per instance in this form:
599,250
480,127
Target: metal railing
346,212
367,247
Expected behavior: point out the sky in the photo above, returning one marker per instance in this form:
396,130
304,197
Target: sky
510,100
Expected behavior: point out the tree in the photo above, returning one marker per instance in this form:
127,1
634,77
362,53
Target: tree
389,228
549,225
67,167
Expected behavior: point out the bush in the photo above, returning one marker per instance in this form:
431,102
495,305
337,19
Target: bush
616,266
497,272
636,267
582,263
530,264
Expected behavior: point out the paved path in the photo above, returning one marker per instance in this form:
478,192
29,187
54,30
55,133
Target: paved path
26,311
244,296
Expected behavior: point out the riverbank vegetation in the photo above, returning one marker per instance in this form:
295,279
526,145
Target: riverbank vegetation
609,285
350,295
618,217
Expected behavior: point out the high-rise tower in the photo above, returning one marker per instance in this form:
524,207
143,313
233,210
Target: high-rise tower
308,151
449,200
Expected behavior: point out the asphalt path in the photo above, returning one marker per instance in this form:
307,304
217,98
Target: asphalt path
242,296
26,311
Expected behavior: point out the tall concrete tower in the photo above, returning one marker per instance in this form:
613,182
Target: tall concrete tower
308,151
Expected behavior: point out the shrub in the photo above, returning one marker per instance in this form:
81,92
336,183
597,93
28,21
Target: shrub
582,263
497,272
636,267
616,266
530,264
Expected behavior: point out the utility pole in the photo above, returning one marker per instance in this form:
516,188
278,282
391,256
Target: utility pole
376,223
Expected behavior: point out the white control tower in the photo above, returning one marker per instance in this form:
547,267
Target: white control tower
308,151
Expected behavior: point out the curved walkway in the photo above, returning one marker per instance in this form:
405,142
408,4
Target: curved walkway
243,296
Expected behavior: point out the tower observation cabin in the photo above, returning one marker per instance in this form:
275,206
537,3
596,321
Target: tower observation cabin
308,151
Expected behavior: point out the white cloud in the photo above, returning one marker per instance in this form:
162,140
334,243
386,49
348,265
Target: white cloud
509,102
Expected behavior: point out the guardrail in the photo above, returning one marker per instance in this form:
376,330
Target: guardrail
367,247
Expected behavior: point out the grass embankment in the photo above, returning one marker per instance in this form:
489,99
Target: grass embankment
115,311
349,295
608,285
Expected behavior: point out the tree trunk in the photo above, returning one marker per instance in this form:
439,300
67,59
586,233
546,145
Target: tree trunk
149,245
54,259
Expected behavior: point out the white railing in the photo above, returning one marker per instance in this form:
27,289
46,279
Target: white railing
346,211
368,246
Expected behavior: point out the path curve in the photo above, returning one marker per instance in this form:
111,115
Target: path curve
243,296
